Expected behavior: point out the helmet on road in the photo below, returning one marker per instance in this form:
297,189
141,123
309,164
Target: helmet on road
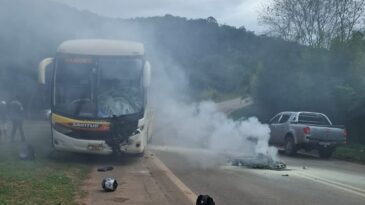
204,200
109,184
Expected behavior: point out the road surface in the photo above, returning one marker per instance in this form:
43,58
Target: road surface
141,181
234,104
308,180
176,175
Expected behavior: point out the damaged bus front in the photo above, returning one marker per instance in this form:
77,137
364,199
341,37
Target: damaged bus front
100,97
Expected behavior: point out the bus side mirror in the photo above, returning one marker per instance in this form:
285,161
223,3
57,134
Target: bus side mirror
42,70
147,75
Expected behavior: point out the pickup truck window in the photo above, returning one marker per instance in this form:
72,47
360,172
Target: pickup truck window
310,118
284,118
275,119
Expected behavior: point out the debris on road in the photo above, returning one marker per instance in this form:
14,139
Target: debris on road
285,175
260,161
104,169
109,184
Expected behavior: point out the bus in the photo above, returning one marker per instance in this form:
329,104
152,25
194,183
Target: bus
99,96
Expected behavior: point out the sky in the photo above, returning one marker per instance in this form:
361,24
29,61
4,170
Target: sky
231,12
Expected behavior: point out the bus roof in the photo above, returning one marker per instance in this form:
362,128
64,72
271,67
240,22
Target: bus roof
101,47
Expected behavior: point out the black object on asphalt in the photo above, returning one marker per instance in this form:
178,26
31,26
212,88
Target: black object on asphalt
104,169
109,184
26,152
204,200
260,161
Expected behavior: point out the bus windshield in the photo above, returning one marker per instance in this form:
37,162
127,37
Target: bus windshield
98,87
120,87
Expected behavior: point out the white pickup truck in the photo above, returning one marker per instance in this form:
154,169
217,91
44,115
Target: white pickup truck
306,130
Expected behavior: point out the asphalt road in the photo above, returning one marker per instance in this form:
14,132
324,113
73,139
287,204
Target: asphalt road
229,106
175,175
308,180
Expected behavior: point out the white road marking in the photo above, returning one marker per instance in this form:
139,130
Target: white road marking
304,175
337,185
185,190
296,172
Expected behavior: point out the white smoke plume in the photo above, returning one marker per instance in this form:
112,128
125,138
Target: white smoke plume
179,122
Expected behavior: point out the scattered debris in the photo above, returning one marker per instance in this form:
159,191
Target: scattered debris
260,161
104,169
109,184
119,199
26,152
285,175
304,167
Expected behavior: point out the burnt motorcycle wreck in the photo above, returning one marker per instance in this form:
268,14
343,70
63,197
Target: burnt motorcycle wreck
260,161
121,128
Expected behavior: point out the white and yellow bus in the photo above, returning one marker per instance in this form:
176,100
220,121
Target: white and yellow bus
100,96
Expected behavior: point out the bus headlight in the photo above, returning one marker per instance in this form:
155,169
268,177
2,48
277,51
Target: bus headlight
138,131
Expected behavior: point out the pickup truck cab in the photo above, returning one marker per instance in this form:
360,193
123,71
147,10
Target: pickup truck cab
306,130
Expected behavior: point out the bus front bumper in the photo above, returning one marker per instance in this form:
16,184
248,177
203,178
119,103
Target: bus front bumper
61,142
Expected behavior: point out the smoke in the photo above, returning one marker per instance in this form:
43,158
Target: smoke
199,130
179,121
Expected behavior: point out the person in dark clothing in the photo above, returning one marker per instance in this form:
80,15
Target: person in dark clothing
3,110
16,116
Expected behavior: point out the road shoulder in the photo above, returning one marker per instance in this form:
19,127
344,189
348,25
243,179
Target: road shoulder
141,181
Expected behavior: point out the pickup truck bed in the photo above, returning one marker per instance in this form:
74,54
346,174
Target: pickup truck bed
306,130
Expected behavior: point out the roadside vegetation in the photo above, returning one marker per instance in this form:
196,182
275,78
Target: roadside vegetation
351,152
327,73
320,68
42,181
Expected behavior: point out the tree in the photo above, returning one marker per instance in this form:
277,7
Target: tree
211,19
313,22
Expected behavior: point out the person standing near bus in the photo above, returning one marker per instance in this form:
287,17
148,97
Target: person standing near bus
3,111
16,116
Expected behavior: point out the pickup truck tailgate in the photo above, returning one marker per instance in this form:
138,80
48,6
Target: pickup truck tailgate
326,134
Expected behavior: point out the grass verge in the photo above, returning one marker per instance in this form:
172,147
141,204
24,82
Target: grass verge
351,152
42,181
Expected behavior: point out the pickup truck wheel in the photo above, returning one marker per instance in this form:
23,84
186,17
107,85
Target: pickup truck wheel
290,147
325,152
